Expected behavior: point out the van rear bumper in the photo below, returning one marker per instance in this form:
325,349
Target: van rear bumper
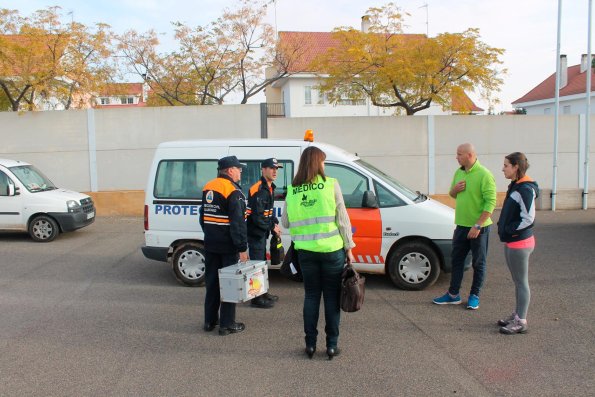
445,248
155,253
70,221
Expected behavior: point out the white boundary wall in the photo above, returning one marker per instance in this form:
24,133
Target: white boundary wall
111,149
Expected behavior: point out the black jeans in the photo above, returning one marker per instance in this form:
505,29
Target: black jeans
257,248
322,276
214,308
461,246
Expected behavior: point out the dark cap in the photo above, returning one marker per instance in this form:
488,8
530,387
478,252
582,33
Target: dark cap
271,163
228,162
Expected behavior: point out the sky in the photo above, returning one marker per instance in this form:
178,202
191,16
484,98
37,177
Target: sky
525,29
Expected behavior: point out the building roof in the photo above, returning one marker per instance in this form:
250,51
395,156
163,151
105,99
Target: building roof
116,89
463,104
577,82
314,44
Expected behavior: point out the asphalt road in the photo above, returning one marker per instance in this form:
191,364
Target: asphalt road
88,315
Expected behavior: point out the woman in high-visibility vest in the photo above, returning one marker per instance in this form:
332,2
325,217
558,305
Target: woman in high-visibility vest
321,232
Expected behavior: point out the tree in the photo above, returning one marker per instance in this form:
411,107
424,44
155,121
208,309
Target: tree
227,56
46,62
406,71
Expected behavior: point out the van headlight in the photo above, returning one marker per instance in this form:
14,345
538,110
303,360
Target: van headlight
73,206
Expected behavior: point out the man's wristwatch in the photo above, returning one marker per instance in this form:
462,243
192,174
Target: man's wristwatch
477,226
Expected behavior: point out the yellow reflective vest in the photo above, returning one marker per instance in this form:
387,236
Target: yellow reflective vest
311,211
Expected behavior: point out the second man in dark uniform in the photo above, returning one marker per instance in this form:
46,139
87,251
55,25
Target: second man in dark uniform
262,220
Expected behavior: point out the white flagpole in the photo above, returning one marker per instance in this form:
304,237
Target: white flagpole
556,109
589,71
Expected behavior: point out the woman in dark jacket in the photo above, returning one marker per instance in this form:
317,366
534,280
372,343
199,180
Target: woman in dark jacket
515,229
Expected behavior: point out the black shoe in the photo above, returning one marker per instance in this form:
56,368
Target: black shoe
270,297
208,327
232,329
262,303
332,352
310,350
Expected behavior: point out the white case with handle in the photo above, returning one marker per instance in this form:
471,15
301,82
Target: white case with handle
243,281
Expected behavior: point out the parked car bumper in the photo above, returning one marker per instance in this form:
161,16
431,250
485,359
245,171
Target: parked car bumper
155,253
73,220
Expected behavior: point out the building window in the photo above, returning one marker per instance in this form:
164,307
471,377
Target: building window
566,109
321,98
126,100
104,101
351,102
308,95
547,111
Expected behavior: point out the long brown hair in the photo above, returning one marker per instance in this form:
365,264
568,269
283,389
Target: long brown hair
310,166
518,158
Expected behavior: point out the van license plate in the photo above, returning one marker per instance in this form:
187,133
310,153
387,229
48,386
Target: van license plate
90,215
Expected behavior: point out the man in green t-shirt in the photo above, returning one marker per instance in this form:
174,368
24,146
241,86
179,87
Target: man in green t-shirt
474,189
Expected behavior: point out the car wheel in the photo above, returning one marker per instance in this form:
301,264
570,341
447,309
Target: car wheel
414,266
43,229
189,264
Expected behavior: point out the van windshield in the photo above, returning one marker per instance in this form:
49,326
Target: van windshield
32,178
389,180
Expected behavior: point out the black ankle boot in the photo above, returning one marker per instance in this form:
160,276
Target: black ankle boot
310,350
332,352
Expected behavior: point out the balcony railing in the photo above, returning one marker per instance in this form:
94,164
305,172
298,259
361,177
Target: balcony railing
275,110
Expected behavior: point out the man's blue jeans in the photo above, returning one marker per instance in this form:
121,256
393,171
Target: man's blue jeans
322,276
461,246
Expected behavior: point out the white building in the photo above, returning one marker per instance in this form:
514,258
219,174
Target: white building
573,84
296,95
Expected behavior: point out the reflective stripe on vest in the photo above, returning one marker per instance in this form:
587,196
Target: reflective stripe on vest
311,215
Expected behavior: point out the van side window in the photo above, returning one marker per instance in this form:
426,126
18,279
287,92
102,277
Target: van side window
3,184
353,184
386,198
183,179
253,172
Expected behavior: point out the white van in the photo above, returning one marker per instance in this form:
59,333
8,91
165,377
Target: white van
398,232
30,202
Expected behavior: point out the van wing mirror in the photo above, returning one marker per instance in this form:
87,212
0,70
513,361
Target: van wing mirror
13,190
369,200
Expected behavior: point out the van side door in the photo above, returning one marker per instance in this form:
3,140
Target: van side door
11,204
366,223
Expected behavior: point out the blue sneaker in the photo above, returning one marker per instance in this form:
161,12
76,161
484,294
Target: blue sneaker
447,299
473,302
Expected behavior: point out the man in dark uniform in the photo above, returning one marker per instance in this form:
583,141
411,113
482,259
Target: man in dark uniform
223,220
262,221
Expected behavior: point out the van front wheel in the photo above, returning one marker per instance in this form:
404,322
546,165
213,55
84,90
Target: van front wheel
414,266
43,229
189,264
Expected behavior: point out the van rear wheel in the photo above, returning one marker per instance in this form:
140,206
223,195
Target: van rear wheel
414,266
189,264
43,229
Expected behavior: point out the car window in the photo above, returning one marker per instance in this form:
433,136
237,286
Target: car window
3,184
387,198
252,174
353,184
183,179
33,179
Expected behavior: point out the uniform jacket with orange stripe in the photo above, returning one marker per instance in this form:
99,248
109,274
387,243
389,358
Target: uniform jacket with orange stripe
261,211
223,216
